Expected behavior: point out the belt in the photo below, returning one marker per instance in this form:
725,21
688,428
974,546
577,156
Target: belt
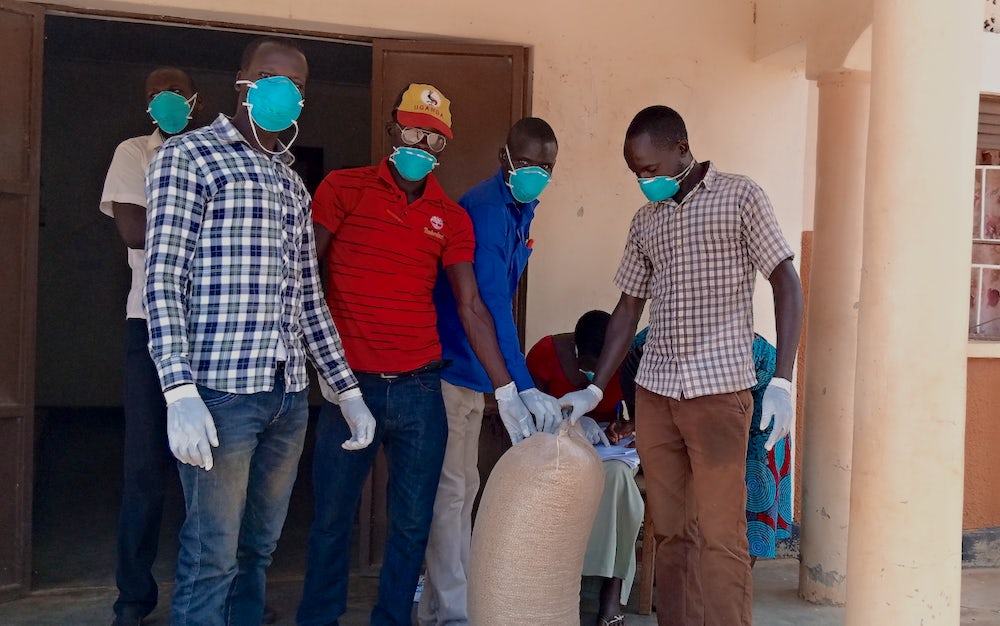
433,366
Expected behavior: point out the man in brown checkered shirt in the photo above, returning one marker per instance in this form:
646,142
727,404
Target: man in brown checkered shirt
694,250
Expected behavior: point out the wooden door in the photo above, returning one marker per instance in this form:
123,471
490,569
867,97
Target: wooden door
21,38
489,91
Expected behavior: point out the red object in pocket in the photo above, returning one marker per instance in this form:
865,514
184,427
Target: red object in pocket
529,244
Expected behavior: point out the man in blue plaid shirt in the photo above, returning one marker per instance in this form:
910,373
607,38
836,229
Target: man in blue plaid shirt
235,308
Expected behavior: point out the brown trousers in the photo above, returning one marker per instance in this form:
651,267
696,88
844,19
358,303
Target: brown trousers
693,455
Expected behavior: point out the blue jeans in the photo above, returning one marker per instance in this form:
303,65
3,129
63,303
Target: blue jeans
148,465
235,511
412,427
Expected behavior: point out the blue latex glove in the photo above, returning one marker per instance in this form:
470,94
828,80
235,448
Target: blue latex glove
514,414
776,408
593,432
190,427
359,417
544,407
579,403
356,413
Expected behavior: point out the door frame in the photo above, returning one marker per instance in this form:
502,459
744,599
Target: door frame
28,293
17,394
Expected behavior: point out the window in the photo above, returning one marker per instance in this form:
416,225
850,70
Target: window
984,288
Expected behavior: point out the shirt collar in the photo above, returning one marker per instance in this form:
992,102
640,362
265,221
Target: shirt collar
710,176
154,140
224,130
707,182
432,188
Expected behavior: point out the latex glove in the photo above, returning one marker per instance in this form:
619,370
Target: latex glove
544,407
593,432
581,402
190,427
514,414
777,408
358,417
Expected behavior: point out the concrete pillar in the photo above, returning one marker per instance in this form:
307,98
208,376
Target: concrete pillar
828,412
904,549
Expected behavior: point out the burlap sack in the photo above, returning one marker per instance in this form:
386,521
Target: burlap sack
531,532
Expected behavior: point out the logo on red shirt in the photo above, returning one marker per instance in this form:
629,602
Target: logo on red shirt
437,222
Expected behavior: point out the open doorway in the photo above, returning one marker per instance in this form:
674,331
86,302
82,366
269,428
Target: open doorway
62,420
94,71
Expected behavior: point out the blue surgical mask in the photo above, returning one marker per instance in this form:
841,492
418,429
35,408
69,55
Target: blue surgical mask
526,183
171,111
274,102
660,188
413,164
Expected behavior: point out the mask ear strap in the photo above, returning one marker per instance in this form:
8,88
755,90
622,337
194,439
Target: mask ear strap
687,170
510,162
288,146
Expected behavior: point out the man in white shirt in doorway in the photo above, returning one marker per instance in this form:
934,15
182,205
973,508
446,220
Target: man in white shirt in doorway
171,101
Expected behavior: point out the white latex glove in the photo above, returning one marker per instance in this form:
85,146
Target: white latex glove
358,417
593,432
777,407
581,402
544,407
190,427
515,416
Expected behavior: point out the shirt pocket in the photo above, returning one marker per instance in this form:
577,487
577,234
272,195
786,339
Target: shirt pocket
716,237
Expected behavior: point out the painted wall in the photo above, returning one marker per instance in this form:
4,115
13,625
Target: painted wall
594,67
982,434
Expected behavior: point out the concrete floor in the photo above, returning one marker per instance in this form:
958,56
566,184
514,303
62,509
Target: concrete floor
775,602
76,505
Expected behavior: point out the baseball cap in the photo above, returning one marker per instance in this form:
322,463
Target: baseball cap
424,106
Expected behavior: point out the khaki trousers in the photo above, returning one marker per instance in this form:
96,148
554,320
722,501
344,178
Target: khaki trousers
445,596
693,455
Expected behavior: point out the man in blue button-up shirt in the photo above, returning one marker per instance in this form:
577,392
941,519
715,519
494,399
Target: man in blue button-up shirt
235,309
501,209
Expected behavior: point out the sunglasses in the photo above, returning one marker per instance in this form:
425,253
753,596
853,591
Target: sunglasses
411,136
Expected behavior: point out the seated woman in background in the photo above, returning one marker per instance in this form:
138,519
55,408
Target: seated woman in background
769,487
563,363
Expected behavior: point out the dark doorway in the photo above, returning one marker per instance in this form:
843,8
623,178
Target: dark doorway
93,74
92,100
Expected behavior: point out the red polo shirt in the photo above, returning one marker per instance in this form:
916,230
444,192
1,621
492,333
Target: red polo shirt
382,263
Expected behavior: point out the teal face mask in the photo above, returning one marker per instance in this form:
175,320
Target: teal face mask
526,183
660,188
274,102
171,111
589,375
413,164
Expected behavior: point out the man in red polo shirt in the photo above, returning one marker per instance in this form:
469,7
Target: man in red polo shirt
384,231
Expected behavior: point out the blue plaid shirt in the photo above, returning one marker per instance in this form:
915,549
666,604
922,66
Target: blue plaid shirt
231,268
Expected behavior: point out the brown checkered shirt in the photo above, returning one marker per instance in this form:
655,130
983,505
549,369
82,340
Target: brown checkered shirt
696,261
